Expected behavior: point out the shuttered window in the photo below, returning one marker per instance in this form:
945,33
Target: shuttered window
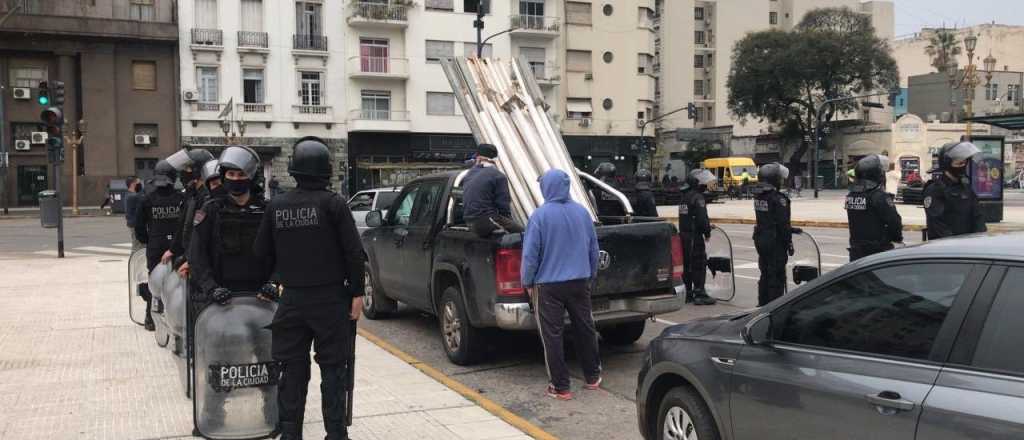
439,49
578,61
578,13
144,75
439,103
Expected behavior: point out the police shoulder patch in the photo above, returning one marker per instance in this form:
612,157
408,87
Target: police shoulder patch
199,217
700,202
927,202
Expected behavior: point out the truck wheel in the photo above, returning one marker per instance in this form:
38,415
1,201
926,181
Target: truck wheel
463,343
375,304
623,334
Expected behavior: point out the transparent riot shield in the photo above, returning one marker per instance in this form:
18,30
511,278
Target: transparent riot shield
157,283
174,292
805,263
720,280
137,279
234,376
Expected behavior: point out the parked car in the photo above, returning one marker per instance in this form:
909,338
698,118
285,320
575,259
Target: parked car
423,254
369,200
916,343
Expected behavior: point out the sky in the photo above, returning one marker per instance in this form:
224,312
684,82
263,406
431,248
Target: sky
912,15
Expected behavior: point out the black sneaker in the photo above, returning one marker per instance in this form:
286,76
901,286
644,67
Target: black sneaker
703,300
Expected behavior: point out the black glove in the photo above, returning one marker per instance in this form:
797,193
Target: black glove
221,296
790,250
797,230
268,292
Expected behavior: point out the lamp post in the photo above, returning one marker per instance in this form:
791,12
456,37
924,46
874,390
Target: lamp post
968,82
75,140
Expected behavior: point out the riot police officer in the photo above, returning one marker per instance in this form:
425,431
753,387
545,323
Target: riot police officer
645,205
950,204
773,234
211,180
195,197
874,222
310,235
608,205
221,255
694,229
156,222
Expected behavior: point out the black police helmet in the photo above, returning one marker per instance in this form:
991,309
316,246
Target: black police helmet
605,169
487,150
237,157
164,174
872,167
773,173
955,151
199,158
310,158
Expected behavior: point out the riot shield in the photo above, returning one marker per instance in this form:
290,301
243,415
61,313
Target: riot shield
174,291
235,378
157,283
137,279
805,263
720,280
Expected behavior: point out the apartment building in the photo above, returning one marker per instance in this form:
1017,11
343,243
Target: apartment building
117,59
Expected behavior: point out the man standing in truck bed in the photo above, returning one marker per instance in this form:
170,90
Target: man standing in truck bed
486,200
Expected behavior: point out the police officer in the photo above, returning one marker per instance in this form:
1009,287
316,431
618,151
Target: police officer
212,181
694,229
156,222
645,205
950,204
310,235
608,205
195,197
773,234
221,254
874,222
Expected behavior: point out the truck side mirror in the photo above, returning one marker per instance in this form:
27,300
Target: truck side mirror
758,331
374,219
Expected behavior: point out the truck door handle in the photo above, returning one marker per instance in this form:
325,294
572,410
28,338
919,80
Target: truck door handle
890,400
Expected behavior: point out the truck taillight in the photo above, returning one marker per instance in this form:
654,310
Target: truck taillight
677,259
506,273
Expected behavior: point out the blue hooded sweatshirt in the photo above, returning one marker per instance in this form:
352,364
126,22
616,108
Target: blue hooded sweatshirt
561,242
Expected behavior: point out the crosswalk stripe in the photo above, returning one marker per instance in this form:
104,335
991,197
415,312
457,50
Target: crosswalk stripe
127,245
104,250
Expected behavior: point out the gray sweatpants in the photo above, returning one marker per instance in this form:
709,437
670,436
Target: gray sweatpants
551,303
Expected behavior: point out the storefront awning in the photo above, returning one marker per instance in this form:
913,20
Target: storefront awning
579,107
1010,122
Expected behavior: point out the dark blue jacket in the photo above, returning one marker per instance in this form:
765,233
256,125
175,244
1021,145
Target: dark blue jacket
486,193
131,203
560,242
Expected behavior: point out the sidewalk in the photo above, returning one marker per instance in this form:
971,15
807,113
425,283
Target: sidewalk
72,365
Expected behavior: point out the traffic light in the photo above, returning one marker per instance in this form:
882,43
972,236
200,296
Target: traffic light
58,93
691,111
53,117
44,94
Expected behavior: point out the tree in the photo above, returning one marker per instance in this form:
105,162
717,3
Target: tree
698,150
782,77
943,48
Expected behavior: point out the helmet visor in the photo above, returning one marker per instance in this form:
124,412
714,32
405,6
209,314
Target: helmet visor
885,163
962,151
705,177
783,172
210,170
179,160
240,158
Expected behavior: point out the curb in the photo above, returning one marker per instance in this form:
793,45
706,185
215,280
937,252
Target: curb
491,406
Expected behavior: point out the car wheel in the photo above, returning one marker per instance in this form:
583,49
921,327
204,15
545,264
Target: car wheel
375,304
683,415
463,343
623,334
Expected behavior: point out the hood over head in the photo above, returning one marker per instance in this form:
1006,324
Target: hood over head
554,184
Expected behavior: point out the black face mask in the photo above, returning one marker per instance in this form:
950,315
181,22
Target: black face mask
237,187
219,191
958,171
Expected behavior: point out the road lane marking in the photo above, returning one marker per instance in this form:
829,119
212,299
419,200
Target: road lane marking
666,322
104,250
127,245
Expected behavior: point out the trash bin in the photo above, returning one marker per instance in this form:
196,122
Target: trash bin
116,191
49,208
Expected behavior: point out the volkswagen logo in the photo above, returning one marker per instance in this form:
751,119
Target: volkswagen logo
604,260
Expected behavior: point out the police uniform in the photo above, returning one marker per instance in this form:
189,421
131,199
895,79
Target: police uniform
952,208
608,205
155,223
874,222
310,235
694,228
645,204
773,237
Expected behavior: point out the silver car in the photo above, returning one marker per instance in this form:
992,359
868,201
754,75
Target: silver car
365,201
921,343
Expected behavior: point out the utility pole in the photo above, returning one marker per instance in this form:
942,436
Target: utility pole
818,132
479,25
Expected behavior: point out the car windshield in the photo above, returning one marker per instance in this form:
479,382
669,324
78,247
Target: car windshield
385,199
361,202
738,171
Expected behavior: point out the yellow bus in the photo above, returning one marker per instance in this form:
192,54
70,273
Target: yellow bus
729,170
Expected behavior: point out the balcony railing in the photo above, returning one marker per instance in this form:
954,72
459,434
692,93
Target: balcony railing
545,72
378,115
258,40
315,110
535,23
370,66
309,42
378,11
207,37
249,107
200,106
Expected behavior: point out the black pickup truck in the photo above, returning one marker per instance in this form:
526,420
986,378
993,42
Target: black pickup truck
423,255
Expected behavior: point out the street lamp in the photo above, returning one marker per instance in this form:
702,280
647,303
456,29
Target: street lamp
75,139
969,81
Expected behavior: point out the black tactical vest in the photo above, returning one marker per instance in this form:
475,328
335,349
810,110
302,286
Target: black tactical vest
236,232
164,214
306,242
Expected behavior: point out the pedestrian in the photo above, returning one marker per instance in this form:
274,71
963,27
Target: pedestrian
773,234
694,230
310,235
608,204
195,196
745,189
131,204
486,200
798,184
871,212
156,221
559,262
950,204
223,262
645,205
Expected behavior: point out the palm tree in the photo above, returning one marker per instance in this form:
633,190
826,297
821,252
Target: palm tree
943,48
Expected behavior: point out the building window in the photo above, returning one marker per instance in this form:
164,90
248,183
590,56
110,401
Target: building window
206,14
22,131
27,76
1013,93
698,13
579,108
209,88
531,8
469,49
439,103
141,10
374,55
472,6
376,105
311,88
579,13
578,61
439,49
151,130
698,114
698,61
440,5
698,37
308,23
992,92
773,18
252,15
698,87
608,57
144,75
144,167
534,57
252,86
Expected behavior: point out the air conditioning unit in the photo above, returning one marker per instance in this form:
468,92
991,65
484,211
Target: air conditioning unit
22,145
189,95
142,139
585,122
707,69
640,123
588,75
39,137
24,93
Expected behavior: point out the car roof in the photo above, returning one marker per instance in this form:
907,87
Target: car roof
1005,246
382,189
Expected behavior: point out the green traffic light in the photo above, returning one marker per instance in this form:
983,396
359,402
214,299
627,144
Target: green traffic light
44,100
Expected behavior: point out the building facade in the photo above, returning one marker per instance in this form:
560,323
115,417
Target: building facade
933,97
1004,42
118,61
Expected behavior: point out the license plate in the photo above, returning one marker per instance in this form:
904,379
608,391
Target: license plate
600,304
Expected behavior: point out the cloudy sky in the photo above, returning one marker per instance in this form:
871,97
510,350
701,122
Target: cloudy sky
912,15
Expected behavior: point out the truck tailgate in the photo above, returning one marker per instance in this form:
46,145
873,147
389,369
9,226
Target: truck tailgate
639,258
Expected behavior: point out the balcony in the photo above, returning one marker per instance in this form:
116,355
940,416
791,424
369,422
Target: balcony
546,74
378,120
207,39
367,67
255,111
535,26
320,114
249,41
206,111
394,14
309,42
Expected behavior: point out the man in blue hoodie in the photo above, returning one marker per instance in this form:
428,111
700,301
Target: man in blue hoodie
560,254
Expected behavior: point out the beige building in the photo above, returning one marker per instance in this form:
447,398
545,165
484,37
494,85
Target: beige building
1004,42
